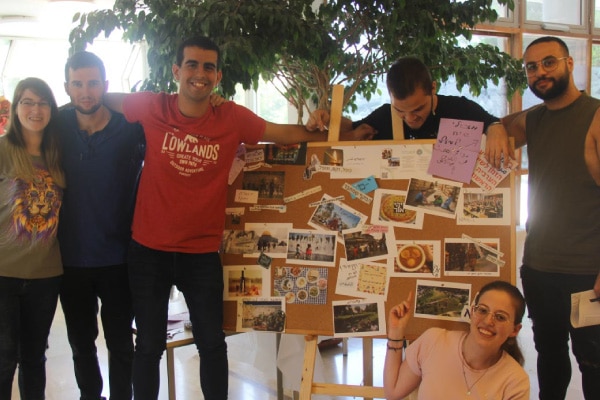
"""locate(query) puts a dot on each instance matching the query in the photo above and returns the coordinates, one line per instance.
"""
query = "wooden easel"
(308, 387)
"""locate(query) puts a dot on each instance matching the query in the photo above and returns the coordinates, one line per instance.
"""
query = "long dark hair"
(50, 148)
(511, 346)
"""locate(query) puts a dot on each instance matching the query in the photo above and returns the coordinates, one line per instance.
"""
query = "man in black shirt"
(414, 100)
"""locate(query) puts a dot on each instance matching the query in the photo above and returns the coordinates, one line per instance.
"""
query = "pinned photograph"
(256, 239)
(472, 257)
(301, 285)
(435, 196)
(290, 154)
(359, 317)
(441, 300)
(268, 185)
(311, 247)
(262, 314)
(369, 242)
(418, 258)
(333, 215)
(481, 207)
(245, 281)
(389, 209)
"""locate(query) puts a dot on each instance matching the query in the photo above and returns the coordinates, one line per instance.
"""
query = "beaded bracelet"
(394, 348)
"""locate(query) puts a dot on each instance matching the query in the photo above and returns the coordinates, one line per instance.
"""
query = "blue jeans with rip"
(200, 278)
(548, 298)
(27, 308)
(80, 291)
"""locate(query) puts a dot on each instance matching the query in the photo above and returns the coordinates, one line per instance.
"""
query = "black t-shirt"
(452, 107)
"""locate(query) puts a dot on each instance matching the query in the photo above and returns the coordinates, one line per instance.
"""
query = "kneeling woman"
(483, 363)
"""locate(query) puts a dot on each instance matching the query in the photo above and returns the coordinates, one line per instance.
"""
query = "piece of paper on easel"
(456, 148)
(584, 311)
(485, 175)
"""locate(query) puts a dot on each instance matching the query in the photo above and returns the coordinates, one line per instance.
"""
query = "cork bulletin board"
(379, 227)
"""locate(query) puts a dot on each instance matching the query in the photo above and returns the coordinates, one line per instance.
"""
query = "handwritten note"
(456, 149)
(365, 280)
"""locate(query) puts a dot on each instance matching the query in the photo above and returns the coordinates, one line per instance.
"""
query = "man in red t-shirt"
(179, 214)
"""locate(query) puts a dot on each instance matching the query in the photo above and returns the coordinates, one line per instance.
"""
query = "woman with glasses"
(484, 362)
(31, 185)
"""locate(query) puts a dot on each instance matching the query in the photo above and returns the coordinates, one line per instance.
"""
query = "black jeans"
(200, 278)
(27, 308)
(548, 297)
(81, 288)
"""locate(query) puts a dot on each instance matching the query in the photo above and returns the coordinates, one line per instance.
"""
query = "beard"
(90, 111)
(559, 87)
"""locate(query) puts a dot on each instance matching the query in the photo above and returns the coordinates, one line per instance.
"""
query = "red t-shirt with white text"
(183, 187)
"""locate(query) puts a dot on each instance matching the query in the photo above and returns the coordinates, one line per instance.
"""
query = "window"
(555, 11)
(45, 59)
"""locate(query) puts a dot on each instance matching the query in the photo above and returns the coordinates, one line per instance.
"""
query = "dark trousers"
(27, 308)
(548, 297)
(80, 290)
(200, 278)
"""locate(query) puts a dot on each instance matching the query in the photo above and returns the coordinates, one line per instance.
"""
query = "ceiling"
(43, 18)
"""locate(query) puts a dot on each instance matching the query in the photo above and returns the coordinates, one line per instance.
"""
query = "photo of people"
(480, 207)
(465, 257)
(264, 314)
(335, 216)
(369, 242)
(434, 196)
(441, 300)
(311, 247)
(269, 185)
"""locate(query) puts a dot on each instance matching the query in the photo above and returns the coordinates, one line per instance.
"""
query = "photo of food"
(389, 209)
(301, 285)
(417, 258)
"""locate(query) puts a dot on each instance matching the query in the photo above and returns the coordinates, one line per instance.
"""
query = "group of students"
(127, 237)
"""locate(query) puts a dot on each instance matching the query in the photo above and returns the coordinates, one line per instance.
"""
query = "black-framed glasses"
(483, 311)
(549, 63)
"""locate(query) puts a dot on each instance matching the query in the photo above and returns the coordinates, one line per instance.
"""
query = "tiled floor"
(252, 361)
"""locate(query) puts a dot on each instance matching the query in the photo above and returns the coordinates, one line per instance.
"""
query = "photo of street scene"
(464, 257)
(369, 242)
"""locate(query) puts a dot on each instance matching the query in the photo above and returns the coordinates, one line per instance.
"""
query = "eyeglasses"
(482, 312)
(31, 103)
(549, 63)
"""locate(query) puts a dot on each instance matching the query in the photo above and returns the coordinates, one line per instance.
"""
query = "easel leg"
(368, 362)
(308, 370)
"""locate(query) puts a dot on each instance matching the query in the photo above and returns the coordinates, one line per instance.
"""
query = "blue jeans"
(27, 309)
(548, 297)
(200, 278)
(80, 290)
